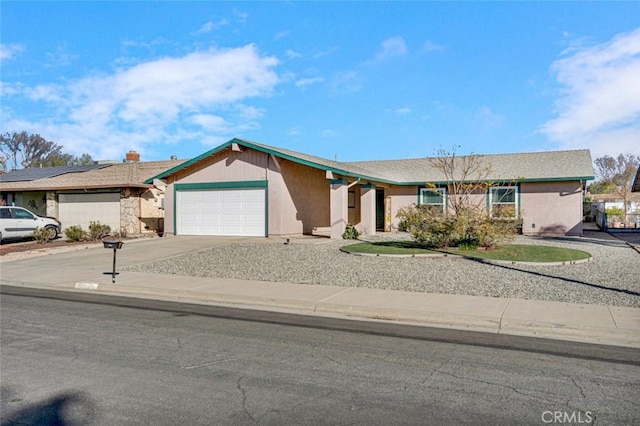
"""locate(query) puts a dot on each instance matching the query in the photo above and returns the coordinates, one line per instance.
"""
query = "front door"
(379, 209)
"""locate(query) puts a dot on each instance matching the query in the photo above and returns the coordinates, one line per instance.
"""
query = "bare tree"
(466, 220)
(465, 176)
(619, 173)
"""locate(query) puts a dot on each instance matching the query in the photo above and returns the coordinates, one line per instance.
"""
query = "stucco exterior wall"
(551, 208)
(401, 196)
(297, 198)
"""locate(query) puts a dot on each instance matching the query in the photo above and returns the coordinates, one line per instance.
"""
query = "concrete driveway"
(58, 265)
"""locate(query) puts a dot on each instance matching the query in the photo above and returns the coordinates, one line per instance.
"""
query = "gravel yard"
(612, 278)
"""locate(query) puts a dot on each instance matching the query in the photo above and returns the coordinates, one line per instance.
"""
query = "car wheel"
(53, 232)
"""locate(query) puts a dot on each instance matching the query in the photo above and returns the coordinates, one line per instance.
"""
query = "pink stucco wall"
(298, 196)
(551, 208)
(401, 196)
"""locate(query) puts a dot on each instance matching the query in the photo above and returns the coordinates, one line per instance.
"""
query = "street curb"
(505, 324)
(517, 342)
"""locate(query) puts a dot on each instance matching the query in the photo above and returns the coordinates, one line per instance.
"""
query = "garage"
(81, 209)
(221, 211)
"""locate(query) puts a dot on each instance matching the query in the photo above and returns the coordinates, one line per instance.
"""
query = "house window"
(503, 202)
(434, 197)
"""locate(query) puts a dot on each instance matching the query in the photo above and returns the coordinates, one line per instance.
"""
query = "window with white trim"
(503, 202)
(434, 197)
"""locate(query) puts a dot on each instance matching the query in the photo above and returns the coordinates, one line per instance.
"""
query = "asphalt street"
(92, 363)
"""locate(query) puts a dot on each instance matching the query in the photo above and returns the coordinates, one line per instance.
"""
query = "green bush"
(614, 211)
(98, 231)
(42, 235)
(350, 233)
(75, 233)
(469, 228)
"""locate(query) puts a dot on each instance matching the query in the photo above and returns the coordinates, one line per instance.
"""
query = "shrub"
(615, 212)
(42, 235)
(97, 231)
(75, 233)
(121, 234)
(350, 233)
(468, 229)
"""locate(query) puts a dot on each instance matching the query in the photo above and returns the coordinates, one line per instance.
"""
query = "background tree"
(601, 187)
(22, 150)
(618, 173)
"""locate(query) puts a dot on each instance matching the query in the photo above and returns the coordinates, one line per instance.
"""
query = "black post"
(113, 276)
(115, 245)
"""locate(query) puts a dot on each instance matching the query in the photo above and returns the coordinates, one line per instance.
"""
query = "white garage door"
(80, 209)
(229, 212)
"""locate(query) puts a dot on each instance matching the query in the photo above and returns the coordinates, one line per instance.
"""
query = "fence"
(615, 223)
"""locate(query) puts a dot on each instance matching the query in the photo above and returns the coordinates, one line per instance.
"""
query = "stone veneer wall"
(129, 211)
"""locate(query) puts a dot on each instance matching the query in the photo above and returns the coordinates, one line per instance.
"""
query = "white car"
(17, 222)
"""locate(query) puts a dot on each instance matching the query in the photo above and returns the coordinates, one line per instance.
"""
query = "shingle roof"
(550, 165)
(46, 172)
(298, 157)
(636, 182)
(532, 166)
(122, 175)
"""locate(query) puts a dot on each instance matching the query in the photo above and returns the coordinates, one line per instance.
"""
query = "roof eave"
(75, 187)
(522, 180)
(285, 156)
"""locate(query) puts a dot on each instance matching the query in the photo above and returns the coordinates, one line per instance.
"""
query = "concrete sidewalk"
(84, 271)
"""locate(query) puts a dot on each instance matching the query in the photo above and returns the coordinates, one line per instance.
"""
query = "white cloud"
(211, 26)
(327, 52)
(61, 57)
(346, 82)
(308, 81)
(292, 54)
(194, 98)
(209, 122)
(403, 110)
(392, 47)
(9, 51)
(599, 104)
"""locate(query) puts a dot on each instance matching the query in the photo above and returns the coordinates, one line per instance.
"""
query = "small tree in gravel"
(465, 223)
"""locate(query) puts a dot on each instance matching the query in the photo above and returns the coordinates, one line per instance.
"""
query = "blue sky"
(352, 80)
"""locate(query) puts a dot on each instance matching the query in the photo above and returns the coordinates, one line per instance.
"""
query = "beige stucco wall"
(151, 212)
(401, 196)
(355, 212)
(298, 199)
(551, 208)
(298, 196)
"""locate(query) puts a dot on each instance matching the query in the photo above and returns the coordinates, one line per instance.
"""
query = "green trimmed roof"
(533, 166)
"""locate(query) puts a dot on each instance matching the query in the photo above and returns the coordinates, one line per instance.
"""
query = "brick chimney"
(132, 157)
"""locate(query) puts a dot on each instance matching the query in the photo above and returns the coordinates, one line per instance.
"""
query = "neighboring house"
(113, 194)
(636, 182)
(247, 188)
